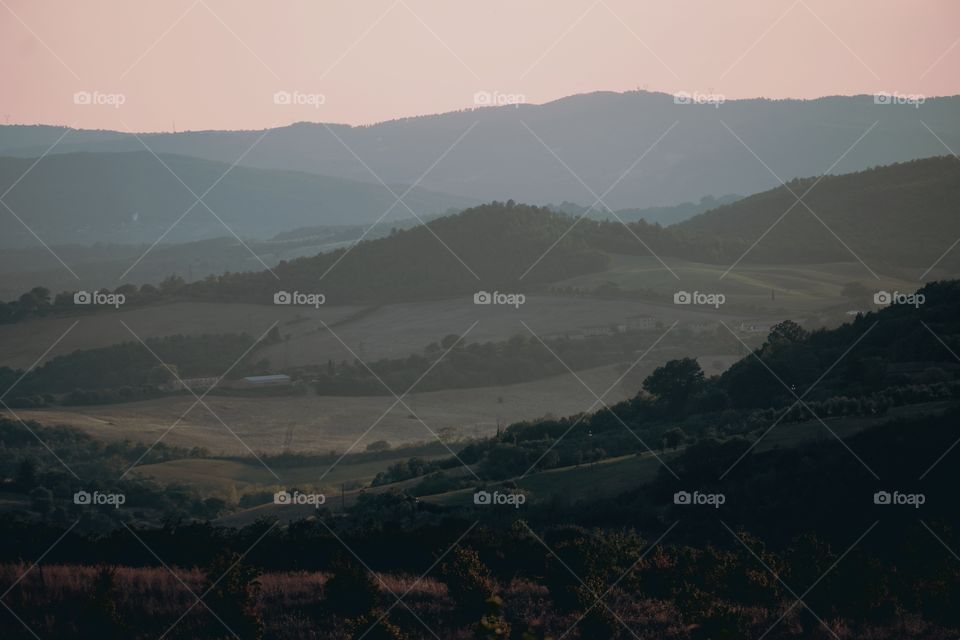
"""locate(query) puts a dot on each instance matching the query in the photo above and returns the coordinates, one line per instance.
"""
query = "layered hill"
(689, 150)
(83, 198)
(897, 219)
(901, 216)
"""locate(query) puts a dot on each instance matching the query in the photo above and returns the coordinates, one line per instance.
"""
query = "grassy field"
(212, 476)
(397, 330)
(796, 288)
(606, 478)
(22, 343)
(323, 423)
(389, 331)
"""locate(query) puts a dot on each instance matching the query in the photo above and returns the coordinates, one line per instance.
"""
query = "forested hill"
(901, 215)
(487, 247)
(898, 219)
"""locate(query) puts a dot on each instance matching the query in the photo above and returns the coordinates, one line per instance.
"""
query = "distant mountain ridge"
(131, 198)
(688, 150)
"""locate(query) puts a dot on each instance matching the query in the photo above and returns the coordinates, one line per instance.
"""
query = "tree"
(26, 474)
(233, 588)
(100, 617)
(351, 592)
(786, 333)
(471, 586)
(41, 500)
(378, 445)
(674, 382)
(674, 437)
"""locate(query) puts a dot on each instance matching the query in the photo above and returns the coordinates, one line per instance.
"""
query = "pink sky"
(216, 64)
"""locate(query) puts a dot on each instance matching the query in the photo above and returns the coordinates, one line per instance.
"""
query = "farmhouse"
(275, 380)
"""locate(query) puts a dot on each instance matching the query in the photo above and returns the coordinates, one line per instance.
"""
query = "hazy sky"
(206, 64)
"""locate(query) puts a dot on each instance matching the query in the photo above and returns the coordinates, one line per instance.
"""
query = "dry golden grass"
(324, 423)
